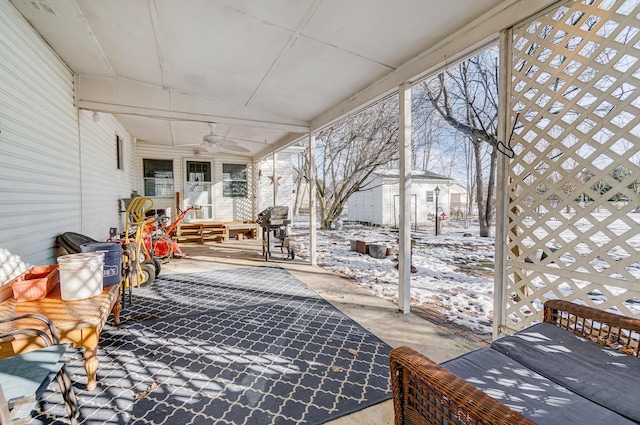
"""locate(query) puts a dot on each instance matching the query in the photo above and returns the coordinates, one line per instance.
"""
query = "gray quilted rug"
(242, 346)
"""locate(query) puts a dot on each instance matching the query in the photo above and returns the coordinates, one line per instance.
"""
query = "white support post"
(255, 174)
(311, 174)
(275, 178)
(404, 256)
(502, 197)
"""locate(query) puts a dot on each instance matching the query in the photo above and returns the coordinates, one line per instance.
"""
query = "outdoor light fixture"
(436, 191)
(96, 117)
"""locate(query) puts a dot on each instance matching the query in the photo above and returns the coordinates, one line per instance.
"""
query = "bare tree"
(349, 152)
(466, 98)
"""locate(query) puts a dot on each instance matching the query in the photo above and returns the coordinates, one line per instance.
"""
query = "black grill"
(275, 224)
(273, 216)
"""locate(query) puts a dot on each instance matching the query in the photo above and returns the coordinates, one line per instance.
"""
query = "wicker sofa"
(579, 366)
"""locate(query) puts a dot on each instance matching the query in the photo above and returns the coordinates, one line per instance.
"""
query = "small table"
(77, 322)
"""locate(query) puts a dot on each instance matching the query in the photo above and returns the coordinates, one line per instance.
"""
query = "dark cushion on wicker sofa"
(598, 373)
(528, 392)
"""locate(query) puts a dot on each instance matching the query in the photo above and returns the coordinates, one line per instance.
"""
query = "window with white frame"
(430, 196)
(234, 180)
(158, 177)
(198, 176)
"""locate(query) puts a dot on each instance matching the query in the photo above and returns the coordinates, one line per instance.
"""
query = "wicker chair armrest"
(28, 331)
(426, 393)
(40, 317)
(619, 332)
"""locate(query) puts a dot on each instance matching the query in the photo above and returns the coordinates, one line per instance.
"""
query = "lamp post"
(436, 191)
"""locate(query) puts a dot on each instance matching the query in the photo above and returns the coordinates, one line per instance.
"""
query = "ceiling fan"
(214, 143)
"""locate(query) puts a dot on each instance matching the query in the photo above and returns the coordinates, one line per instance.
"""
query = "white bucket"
(81, 275)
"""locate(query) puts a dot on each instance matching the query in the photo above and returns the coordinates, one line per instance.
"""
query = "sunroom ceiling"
(266, 71)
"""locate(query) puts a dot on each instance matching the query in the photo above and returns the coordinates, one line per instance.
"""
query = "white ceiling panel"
(125, 31)
(62, 25)
(312, 76)
(265, 70)
(147, 129)
(391, 35)
(217, 52)
(286, 14)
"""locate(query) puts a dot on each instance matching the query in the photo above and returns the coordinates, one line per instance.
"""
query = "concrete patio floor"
(437, 341)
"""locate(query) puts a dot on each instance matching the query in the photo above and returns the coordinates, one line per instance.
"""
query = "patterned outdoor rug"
(242, 346)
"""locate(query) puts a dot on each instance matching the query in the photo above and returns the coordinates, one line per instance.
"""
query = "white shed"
(377, 203)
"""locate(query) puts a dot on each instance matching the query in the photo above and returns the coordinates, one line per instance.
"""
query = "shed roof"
(415, 174)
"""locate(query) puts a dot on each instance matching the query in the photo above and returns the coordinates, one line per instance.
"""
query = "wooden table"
(77, 322)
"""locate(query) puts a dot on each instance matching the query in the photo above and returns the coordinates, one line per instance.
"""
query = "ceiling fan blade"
(227, 142)
(235, 148)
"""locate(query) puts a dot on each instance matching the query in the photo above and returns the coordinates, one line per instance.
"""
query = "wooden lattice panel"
(573, 221)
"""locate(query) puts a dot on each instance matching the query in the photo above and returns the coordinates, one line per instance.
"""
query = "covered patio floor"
(376, 315)
(222, 336)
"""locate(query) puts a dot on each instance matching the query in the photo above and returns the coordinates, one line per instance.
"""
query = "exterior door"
(198, 189)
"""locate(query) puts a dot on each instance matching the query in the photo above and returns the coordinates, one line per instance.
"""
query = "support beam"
(127, 97)
(404, 257)
(280, 144)
(189, 116)
(502, 197)
(311, 175)
(275, 180)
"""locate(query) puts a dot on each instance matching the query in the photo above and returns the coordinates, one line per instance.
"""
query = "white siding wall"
(353, 206)
(57, 166)
(366, 205)
(232, 209)
(39, 156)
(148, 151)
(102, 183)
(378, 205)
(285, 182)
(224, 209)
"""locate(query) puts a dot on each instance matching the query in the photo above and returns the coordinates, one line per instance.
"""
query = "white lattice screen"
(573, 230)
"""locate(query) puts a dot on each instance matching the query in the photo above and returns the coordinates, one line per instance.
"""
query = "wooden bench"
(240, 227)
(76, 322)
(202, 232)
(578, 366)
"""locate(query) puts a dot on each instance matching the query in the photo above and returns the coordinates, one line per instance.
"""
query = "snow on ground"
(454, 273)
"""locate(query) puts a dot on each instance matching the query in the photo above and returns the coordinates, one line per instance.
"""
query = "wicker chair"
(24, 377)
(426, 393)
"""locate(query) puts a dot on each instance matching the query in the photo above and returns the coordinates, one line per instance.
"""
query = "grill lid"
(273, 213)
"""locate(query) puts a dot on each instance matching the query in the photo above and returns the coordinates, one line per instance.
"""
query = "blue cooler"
(112, 259)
